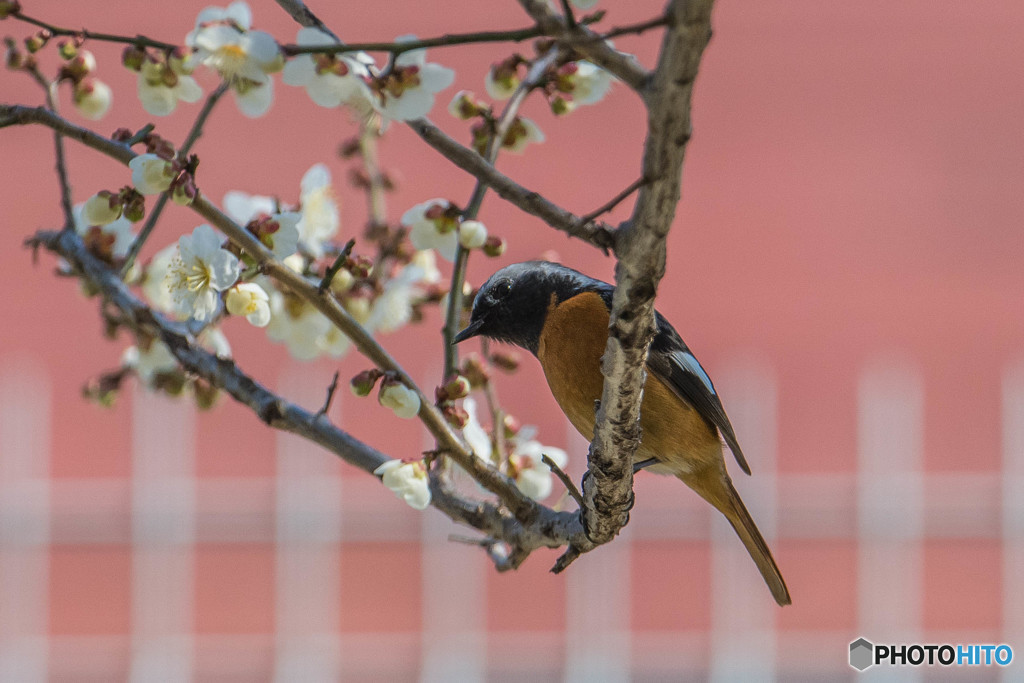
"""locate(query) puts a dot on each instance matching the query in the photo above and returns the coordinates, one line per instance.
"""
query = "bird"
(561, 316)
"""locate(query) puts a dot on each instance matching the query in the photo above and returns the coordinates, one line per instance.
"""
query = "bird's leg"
(637, 466)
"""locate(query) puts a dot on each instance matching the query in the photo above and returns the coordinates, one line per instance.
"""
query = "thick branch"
(640, 249)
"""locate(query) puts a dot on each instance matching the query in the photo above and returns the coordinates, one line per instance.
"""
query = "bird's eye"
(502, 290)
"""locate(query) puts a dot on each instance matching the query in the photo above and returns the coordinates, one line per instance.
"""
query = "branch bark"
(640, 249)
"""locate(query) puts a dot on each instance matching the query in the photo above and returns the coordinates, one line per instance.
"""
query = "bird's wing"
(672, 362)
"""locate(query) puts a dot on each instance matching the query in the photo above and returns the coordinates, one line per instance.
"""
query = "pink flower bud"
(494, 246)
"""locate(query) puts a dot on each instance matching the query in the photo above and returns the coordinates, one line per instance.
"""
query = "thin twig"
(614, 201)
(330, 396)
(501, 128)
(497, 414)
(566, 481)
(158, 207)
(50, 92)
(598, 234)
(397, 48)
(570, 16)
(140, 40)
(333, 269)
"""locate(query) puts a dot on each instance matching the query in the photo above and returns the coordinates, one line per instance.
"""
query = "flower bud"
(342, 281)
(457, 387)
(363, 383)
(183, 189)
(561, 104)
(9, 7)
(465, 106)
(472, 234)
(36, 41)
(67, 49)
(455, 415)
(135, 207)
(93, 98)
(402, 400)
(102, 208)
(473, 370)
(179, 61)
(494, 246)
(506, 360)
(361, 266)
(133, 57)
(511, 426)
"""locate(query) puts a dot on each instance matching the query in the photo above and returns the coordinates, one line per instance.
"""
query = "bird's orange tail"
(716, 488)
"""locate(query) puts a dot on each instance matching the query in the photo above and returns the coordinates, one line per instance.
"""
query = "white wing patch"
(688, 361)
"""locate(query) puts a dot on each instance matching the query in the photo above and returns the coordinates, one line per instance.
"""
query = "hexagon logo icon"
(861, 654)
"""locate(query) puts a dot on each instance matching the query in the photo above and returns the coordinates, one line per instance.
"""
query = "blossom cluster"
(203, 279)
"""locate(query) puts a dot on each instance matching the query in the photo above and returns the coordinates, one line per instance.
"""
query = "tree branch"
(140, 40)
(546, 528)
(589, 44)
(641, 252)
(600, 235)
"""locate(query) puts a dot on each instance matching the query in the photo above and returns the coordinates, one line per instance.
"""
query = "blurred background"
(846, 262)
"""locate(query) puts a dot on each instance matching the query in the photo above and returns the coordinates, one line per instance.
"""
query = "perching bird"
(561, 316)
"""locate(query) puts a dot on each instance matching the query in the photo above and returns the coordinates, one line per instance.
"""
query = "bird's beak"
(472, 330)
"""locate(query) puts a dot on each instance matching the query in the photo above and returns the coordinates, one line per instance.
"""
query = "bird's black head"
(513, 304)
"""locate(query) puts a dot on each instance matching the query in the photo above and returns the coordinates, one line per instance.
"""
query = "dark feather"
(672, 362)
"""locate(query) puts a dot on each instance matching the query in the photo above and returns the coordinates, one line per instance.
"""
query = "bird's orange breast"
(571, 344)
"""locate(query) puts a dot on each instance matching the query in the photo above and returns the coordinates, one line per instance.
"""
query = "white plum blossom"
(408, 91)
(472, 234)
(250, 300)
(319, 210)
(200, 271)
(522, 133)
(99, 209)
(92, 97)
(402, 400)
(430, 227)
(149, 362)
(155, 285)
(214, 341)
(329, 80)
(279, 232)
(474, 433)
(162, 85)
(408, 480)
(118, 233)
(223, 42)
(305, 331)
(590, 83)
(532, 475)
(500, 88)
(151, 174)
(243, 207)
(392, 309)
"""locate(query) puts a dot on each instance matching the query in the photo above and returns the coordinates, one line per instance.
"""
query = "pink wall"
(851, 212)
